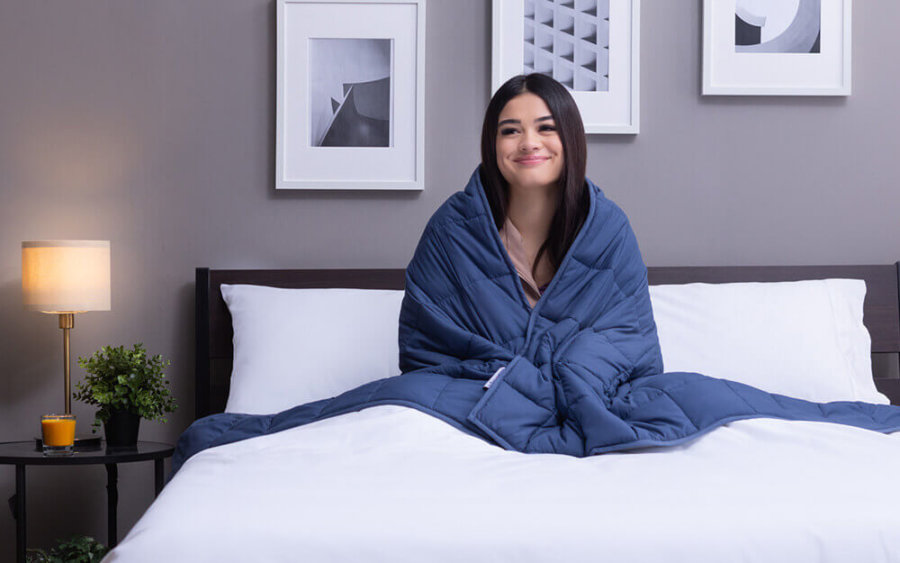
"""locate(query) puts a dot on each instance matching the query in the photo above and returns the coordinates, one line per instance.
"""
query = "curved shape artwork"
(757, 31)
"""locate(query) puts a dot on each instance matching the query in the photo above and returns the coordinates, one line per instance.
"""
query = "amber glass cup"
(58, 434)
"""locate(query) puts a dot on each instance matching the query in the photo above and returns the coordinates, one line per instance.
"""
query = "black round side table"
(23, 454)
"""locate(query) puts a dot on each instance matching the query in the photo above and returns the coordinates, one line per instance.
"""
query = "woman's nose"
(529, 142)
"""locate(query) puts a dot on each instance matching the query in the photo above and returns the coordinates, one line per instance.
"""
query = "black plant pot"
(122, 429)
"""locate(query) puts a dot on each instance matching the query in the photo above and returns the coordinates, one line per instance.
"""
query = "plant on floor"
(77, 549)
(125, 380)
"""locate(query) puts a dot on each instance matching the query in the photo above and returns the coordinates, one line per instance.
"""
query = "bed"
(390, 483)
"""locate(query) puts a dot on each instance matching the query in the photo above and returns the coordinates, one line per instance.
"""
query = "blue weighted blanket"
(580, 374)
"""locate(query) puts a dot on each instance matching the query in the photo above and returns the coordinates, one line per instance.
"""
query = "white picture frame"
(350, 95)
(775, 66)
(610, 107)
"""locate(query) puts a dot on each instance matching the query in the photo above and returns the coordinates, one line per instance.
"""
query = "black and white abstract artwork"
(350, 92)
(569, 40)
(777, 26)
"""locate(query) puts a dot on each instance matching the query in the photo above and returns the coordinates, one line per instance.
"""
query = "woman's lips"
(532, 160)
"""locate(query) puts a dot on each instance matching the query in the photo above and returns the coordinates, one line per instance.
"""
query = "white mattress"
(393, 484)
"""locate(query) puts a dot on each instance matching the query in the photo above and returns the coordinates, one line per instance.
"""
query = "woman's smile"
(532, 160)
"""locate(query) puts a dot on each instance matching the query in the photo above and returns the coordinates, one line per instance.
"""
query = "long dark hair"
(573, 198)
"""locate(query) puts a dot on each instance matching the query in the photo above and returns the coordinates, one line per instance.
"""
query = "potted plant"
(127, 385)
(81, 549)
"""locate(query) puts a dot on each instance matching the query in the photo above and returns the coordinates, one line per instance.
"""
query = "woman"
(533, 166)
(528, 289)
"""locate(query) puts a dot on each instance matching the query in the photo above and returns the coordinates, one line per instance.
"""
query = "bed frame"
(214, 349)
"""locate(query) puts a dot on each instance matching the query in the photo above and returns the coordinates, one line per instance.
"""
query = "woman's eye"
(507, 131)
(548, 128)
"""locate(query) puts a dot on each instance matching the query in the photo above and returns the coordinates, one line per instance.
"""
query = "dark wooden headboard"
(214, 333)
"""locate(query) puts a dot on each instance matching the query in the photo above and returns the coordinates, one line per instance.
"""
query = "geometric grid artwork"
(569, 41)
(350, 92)
(777, 26)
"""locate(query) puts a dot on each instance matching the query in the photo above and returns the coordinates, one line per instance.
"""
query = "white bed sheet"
(393, 484)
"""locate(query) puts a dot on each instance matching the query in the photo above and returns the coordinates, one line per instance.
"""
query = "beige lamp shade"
(66, 276)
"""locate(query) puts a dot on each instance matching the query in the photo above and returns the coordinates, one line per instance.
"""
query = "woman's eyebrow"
(516, 121)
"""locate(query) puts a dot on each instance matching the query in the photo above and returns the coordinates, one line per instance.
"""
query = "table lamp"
(64, 277)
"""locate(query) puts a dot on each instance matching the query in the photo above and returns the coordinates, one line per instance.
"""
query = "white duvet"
(393, 484)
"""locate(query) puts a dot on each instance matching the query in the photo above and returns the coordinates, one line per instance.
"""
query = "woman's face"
(529, 150)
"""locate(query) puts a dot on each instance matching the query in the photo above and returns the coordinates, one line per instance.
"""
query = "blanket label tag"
(489, 382)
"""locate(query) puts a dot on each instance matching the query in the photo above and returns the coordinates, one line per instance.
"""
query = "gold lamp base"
(67, 323)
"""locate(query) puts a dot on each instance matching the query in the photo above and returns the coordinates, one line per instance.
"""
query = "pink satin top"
(515, 246)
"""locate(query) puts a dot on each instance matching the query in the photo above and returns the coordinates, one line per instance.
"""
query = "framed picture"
(590, 46)
(776, 47)
(350, 108)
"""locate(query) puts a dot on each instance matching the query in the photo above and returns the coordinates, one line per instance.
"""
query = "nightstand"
(23, 454)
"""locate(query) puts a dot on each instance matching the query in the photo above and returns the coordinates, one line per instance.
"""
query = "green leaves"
(122, 379)
(77, 549)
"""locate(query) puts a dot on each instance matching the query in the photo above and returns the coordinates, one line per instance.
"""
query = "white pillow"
(804, 339)
(293, 346)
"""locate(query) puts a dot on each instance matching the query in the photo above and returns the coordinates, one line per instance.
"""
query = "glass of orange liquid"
(58, 434)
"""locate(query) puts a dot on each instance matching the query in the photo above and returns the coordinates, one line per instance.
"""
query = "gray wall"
(151, 124)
